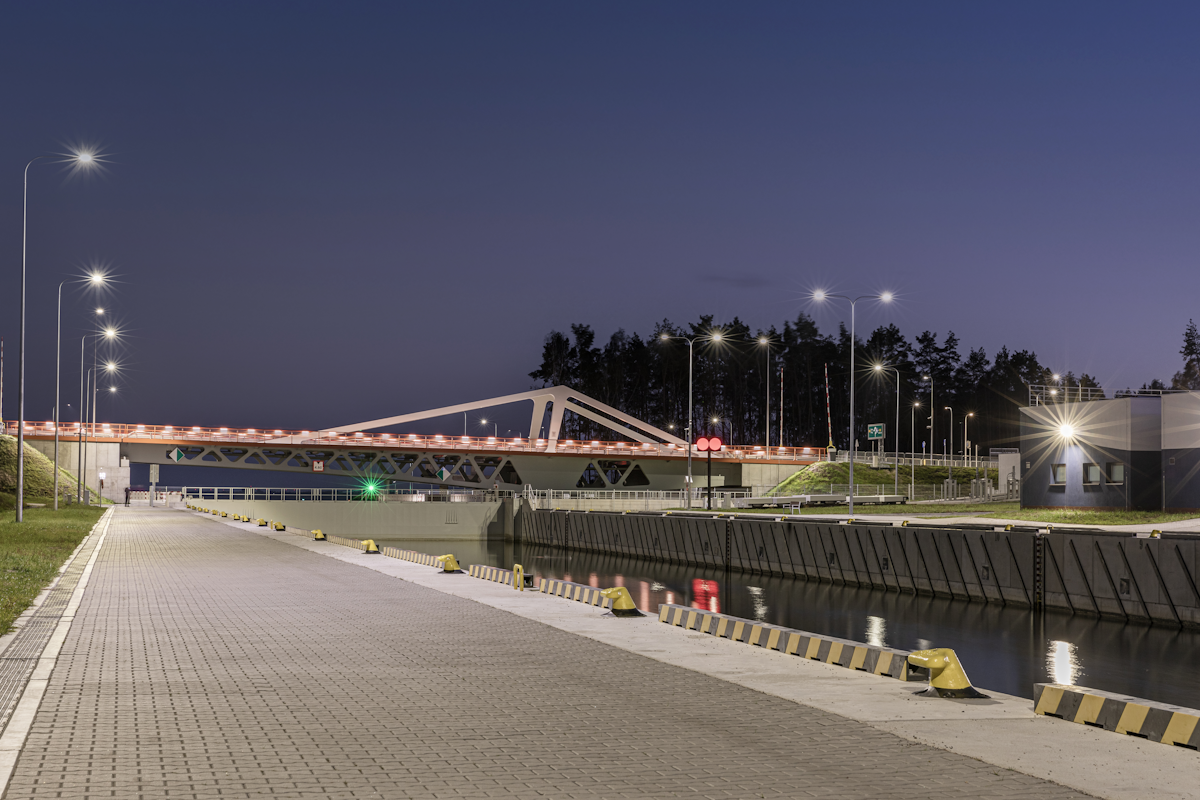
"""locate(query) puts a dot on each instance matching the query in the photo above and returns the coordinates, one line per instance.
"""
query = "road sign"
(443, 473)
(175, 455)
(318, 465)
(875, 431)
(154, 473)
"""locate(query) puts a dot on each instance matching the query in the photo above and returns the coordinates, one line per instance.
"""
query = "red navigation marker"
(709, 445)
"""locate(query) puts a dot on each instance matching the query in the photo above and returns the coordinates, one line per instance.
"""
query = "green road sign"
(875, 430)
(175, 455)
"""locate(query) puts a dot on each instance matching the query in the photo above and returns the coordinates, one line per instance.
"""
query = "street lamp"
(966, 438)
(109, 333)
(95, 278)
(80, 159)
(950, 474)
(821, 296)
(912, 461)
(712, 337)
(932, 406)
(495, 428)
(896, 482)
(766, 344)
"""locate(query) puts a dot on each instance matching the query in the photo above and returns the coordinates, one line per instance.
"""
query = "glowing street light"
(1066, 431)
(896, 476)
(80, 159)
(715, 336)
(95, 278)
(886, 297)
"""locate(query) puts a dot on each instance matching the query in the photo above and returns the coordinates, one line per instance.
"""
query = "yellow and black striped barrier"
(496, 574)
(883, 661)
(424, 559)
(578, 592)
(1132, 716)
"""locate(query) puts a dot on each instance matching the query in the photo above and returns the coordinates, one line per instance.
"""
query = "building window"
(1058, 474)
(1091, 474)
(1116, 472)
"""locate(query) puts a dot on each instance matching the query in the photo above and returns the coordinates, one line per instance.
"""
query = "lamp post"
(766, 344)
(108, 333)
(81, 159)
(896, 476)
(97, 278)
(932, 406)
(966, 438)
(820, 296)
(912, 465)
(950, 461)
(495, 428)
(712, 337)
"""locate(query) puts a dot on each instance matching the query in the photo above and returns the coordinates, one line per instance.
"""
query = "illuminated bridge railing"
(323, 495)
(267, 437)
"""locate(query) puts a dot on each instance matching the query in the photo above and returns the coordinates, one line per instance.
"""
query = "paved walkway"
(209, 662)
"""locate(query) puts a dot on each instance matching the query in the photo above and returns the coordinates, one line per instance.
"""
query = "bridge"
(643, 457)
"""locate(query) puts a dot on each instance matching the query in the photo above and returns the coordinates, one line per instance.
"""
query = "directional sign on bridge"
(175, 455)
(443, 473)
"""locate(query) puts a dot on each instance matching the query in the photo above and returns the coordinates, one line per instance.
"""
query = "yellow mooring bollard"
(369, 547)
(946, 675)
(278, 526)
(518, 577)
(622, 603)
(448, 563)
(262, 523)
(318, 536)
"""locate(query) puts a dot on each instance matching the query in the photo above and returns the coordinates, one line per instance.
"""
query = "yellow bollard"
(622, 603)
(262, 523)
(518, 577)
(223, 514)
(448, 563)
(946, 675)
(278, 526)
(318, 536)
(369, 547)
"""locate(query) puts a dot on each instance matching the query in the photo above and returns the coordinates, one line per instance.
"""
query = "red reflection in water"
(705, 595)
(593, 581)
(644, 595)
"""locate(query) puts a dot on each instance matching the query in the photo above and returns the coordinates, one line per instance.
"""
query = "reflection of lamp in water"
(1062, 663)
(876, 631)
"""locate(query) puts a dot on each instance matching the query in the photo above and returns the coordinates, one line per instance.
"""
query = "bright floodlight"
(917, 404)
(886, 297)
(716, 337)
(1066, 431)
(762, 340)
(110, 332)
(819, 294)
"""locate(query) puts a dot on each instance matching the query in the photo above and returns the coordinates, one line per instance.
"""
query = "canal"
(1003, 649)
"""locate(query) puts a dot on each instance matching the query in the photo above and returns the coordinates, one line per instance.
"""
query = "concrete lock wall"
(1091, 573)
(367, 520)
(1181, 451)
(1126, 431)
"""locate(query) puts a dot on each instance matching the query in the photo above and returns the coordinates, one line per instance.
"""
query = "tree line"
(648, 378)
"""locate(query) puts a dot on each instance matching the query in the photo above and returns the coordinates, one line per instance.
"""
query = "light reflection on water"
(1003, 649)
(1062, 662)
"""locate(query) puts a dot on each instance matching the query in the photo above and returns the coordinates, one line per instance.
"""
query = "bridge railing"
(256, 437)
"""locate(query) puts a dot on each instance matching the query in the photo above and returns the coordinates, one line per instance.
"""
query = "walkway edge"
(12, 742)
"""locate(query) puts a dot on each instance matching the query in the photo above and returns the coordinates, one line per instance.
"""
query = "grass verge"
(1013, 510)
(31, 553)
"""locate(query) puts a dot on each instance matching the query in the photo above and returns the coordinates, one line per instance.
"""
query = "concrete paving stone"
(211, 662)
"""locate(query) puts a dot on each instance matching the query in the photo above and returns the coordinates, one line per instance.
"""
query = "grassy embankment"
(32, 552)
(815, 478)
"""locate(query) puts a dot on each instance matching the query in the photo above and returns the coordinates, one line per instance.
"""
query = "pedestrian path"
(207, 661)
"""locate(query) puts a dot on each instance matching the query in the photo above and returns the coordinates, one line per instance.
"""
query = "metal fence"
(324, 495)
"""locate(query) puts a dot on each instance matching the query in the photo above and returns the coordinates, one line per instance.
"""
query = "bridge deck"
(207, 661)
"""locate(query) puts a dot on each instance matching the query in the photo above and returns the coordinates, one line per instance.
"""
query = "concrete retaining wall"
(1086, 572)
(466, 521)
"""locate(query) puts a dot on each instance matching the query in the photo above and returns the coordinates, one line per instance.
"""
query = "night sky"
(326, 213)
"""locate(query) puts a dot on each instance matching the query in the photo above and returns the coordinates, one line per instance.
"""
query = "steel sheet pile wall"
(1087, 572)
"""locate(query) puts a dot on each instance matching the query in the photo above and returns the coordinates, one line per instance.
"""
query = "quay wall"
(367, 520)
(1090, 572)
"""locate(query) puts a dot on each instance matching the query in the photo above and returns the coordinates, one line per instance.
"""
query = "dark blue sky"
(330, 212)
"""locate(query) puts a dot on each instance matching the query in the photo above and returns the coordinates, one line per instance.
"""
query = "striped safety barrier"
(1133, 716)
(496, 574)
(883, 661)
(424, 559)
(575, 591)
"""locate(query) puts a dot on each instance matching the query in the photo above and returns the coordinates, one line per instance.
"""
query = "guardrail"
(334, 495)
(279, 437)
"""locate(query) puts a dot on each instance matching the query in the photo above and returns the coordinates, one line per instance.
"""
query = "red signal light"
(709, 445)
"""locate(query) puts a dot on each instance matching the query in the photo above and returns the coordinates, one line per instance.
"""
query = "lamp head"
(110, 333)
(917, 404)
(716, 337)
(1066, 431)
(762, 340)
(1055, 376)
(948, 408)
(112, 390)
(99, 312)
(97, 278)
(970, 413)
(879, 367)
(819, 295)
(886, 297)
(664, 337)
